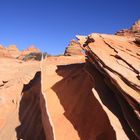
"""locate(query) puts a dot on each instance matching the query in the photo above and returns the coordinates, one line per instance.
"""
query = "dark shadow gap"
(30, 112)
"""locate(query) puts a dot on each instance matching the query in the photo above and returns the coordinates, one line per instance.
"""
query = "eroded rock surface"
(15, 107)
(73, 49)
(12, 51)
(118, 61)
(134, 30)
(94, 96)
(75, 113)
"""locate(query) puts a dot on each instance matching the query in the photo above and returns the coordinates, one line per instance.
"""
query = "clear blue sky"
(51, 24)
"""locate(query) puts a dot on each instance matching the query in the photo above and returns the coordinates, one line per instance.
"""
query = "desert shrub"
(38, 56)
(34, 56)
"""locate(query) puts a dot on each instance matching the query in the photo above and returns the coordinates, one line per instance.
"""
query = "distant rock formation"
(2, 50)
(73, 49)
(12, 51)
(134, 30)
(31, 49)
(136, 26)
(1, 47)
(12, 48)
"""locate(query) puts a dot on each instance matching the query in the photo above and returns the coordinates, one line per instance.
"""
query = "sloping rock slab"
(118, 60)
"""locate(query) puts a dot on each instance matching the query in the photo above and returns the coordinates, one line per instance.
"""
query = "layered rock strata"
(134, 30)
(118, 61)
(73, 49)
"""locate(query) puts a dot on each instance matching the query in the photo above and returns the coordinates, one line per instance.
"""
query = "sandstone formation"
(134, 30)
(30, 50)
(1, 47)
(73, 49)
(136, 26)
(12, 51)
(14, 76)
(118, 61)
(95, 96)
(4, 52)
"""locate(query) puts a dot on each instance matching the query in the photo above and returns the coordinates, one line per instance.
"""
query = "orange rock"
(134, 30)
(73, 49)
(30, 50)
(117, 59)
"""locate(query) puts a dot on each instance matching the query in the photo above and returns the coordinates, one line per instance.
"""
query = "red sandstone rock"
(14, 76)
(30, 50)
(134, 30)
(73, 49)
(136, 26)
(117, 59)
(1, 47)
(13, 51)
(70, 98)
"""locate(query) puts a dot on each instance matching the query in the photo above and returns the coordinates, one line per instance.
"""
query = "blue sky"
(51, 24)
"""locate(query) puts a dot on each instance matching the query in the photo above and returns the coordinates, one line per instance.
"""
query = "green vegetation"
(34, 56)
(38, 56)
